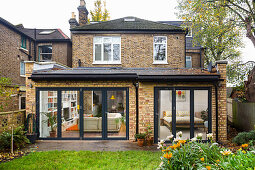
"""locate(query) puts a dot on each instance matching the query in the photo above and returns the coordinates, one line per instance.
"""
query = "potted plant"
(30, 128)
(140, 138)
(149, 137)
(204, 116)
(52, 120)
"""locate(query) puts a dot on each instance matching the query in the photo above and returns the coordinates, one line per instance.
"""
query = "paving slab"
(92, 145)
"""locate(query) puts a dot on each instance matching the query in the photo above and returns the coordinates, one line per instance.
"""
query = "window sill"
(23, 76)
(160, 63)
(23, 49)
(101, 63)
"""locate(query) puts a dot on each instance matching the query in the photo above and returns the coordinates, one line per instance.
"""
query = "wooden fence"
(243, 115)
(17, 118)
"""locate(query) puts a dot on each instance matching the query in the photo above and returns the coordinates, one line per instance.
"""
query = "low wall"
(15, 118)
(243, 115)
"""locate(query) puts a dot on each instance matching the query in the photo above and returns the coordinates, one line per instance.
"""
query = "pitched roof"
(55, 35)
(129, 24)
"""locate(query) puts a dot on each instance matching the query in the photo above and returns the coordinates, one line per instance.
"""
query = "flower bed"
(194, 154)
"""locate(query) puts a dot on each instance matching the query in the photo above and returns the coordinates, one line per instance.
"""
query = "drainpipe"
(35, 44)
(216, 98)
(136, 84)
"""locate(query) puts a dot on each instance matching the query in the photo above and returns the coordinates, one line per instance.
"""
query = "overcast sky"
(56, 13)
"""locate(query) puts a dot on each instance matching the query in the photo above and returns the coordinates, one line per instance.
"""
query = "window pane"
(48, 114)
(160, 40)
(107, 52)
(165, 113)
(116, 114)
(46, 49)
(22, 68)
(70, 114)
(108, 40)
(159, 52)
(98, 52)
(116, 40)
(183, 113)
(97, 39)
(201, 112)
(46, 57)
(116, 52)
(188, 64)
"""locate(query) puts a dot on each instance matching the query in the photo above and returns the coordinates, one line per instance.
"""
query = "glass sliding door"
(116, 114)
(183, 113)
(201, 113)
(48, 114)
(92, 114)
(70, 114)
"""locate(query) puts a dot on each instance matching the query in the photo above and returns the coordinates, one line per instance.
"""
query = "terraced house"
(128, 73)
(19, 44)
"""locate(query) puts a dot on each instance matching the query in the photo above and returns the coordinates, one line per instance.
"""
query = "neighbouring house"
(19, 44)
(127, 73)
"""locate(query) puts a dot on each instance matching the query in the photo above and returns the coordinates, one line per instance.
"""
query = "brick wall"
(11, 56)
(195, 54)
(136, 50)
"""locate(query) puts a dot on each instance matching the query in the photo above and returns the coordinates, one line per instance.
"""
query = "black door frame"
(81, 103)
(156, 114)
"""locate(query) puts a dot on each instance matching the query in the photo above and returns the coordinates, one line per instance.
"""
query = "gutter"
(136, 84)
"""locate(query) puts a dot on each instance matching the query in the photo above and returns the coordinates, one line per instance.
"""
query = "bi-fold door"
(82, 113)
(186, 109)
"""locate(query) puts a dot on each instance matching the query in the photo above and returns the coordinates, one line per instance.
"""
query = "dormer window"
(107, 50)
(160, 50)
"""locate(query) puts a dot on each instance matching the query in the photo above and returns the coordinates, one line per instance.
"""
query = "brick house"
(19, 44)
(127, 74)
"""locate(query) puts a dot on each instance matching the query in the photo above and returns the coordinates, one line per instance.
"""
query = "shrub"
(19, 139)
(244, 137)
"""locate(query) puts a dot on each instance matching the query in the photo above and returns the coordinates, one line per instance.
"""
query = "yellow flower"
(202, 159)
(168, 155)
(182, 141)
(208, 167)
(218, 161)
(245, 145)
(226, 153)
(244, 151)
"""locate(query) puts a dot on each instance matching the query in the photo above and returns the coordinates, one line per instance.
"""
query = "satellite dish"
(210, 67)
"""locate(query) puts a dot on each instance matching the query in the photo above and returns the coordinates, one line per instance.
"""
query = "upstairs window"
(23, 42)
(188, 62)
(22, 68)
(45, 53)
(107, 50)
(160, 50)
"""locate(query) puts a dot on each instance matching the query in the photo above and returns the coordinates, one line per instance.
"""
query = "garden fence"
(243, 115)
(15, 118)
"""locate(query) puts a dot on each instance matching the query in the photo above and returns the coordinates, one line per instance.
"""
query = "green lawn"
(86, 160)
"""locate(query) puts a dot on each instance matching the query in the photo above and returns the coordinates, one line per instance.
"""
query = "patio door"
(82, 113)
(182, 109)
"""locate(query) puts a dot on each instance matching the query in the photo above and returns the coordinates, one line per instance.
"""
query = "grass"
(86, 160)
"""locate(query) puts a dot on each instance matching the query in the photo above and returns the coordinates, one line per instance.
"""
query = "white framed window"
(160, 50)
(45, 53)
(107, 50)
(22, 68)
(189, 34)
(188, 62)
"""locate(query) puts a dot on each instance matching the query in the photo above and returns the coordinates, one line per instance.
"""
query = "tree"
(245, 12)
(6, 90)
(213, 28)
(100, 13)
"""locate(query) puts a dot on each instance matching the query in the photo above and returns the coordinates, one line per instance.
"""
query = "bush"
(19, 139)
(244, 137)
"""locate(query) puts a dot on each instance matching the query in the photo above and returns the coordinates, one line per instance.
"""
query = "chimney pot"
(73, 15)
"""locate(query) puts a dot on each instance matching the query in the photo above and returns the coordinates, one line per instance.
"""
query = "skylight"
(129, 19)
(47, 32)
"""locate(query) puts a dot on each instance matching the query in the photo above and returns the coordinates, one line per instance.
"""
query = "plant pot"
(32, 137)
(140, 142)
(150, 141)
(52, 134)
(206, 124)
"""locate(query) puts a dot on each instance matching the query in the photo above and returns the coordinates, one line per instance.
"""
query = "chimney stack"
(83, 13)
(72, 21)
